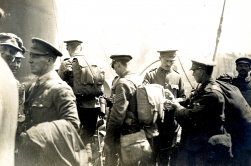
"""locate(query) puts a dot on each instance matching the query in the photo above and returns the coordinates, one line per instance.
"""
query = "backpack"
(150, 103)
(237, 113)
(87, 78)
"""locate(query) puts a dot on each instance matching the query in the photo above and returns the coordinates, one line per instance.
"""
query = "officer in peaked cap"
(168, 54)
(41, 47)
(202, 63)
(49, 102)
(115, 58)
(171, 80)
(121, 118)
(205, 109)
(88, 109)
(73, 47)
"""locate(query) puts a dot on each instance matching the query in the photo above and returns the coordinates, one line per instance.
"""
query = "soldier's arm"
(65, 103)
(181, 93)
(117, 114)
(209, 108)
(147, 79)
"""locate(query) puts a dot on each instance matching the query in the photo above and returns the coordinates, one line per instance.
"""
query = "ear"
(50, 59)
(202, 72)
(118, 63)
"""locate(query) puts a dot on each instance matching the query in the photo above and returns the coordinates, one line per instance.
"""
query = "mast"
(219, 32)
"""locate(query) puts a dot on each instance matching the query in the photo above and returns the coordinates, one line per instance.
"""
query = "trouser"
(88, 118)
(242, 156)
(165, 147)
(217, 155)
(27, 155)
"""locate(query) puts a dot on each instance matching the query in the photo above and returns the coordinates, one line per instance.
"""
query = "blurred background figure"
(243, 81)
(8, 114)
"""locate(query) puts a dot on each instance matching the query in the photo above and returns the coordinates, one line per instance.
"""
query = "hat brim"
(19, 55)
(35, 51)
(8, 44)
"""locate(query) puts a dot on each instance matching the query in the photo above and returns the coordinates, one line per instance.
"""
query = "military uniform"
(243, 82)
(169, 79)
(49, 100)
(202, 120)
(88, 110)
(242, 152)
(123, 116)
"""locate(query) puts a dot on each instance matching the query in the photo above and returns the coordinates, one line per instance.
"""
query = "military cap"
(19, 55)
(243, 60)
(69, 42)
(168, 54)
(202, 63)
(12, 40)
(121, 57)
(42, 47)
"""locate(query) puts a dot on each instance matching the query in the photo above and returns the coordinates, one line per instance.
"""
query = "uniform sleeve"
(209, 108)
(64, 100)
(147, 79)
(181, 89)
(118, 113)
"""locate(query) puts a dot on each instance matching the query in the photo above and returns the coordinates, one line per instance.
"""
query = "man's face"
(15, 65)
(39, 64)
(8, 53)
(166, 63)
(114, 65)
(243, 69)
(197, 74)
(69, 49)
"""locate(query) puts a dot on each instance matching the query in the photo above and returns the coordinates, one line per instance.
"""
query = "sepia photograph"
(125, 83)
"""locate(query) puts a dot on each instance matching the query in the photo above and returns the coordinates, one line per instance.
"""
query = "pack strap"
(94, 75)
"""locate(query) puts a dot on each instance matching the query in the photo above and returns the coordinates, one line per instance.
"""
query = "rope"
(185, 73)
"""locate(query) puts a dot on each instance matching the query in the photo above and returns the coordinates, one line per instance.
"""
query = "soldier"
(51, 121)
(88, 110)
(170, 79)
(243, 67)
(243, 82)
(122, 118)
(202, 121)
(12, 50)
(65, 70)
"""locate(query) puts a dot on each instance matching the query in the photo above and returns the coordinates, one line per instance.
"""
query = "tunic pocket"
(42, 104)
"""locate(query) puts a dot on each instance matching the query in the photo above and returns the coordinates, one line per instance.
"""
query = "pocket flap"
(41, 104)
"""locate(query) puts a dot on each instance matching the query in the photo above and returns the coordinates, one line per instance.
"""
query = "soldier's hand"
(168, 105)
(24, 138)
(169, 95)
(21, 118)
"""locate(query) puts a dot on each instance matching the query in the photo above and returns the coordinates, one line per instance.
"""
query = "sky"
(142, 27)
(188, 25)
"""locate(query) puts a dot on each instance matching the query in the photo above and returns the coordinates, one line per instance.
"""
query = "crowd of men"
(56, 127)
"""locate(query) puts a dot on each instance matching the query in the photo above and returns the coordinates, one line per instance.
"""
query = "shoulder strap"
(92, 72)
